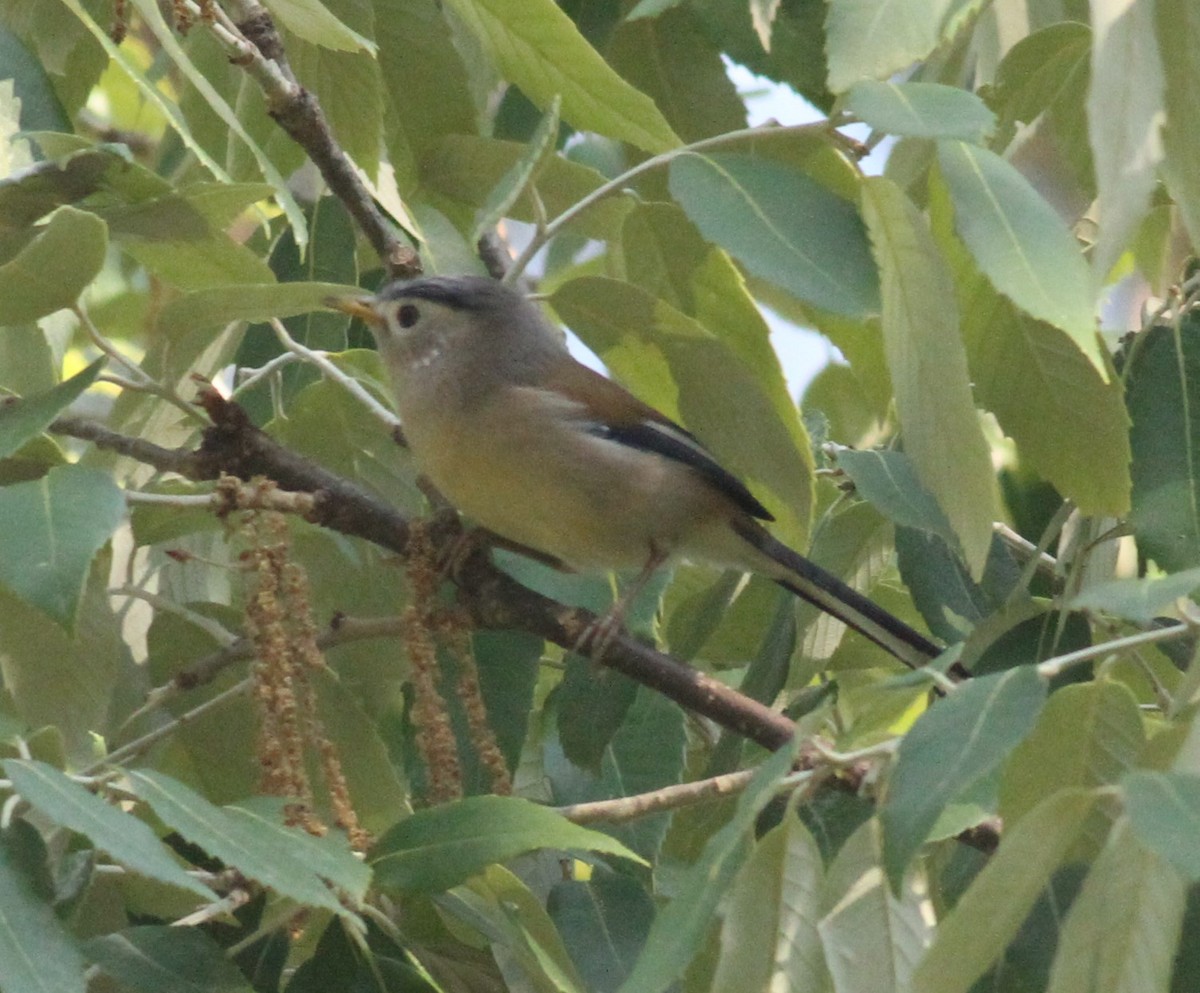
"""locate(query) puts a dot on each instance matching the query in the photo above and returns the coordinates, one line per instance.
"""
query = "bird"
(549, 454)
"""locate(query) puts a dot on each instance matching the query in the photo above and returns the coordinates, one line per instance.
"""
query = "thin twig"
(1061, 663)
(322, 362)
(254, 44)
(551, 228)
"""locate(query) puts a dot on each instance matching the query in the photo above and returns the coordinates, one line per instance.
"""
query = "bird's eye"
(407, 315)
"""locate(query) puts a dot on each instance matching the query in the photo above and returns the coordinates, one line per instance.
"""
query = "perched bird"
(549, 454)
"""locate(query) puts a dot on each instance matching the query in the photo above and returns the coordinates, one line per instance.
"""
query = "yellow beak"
(361, 307)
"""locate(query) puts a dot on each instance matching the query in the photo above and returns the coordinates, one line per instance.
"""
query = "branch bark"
(495, 600)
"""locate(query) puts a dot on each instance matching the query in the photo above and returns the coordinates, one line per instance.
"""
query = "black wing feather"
(676, 443)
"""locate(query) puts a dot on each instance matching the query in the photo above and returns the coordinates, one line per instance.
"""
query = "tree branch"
(255, 45)
(493, 599)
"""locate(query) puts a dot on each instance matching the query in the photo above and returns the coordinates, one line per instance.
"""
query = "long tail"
(828, 593)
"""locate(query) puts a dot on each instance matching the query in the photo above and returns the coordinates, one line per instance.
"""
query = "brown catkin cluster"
(279, 621)
(120, 21)
(426, 625)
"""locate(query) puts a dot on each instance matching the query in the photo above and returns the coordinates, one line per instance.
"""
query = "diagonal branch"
(494, 599)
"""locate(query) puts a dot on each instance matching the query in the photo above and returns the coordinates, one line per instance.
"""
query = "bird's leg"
(600, 635)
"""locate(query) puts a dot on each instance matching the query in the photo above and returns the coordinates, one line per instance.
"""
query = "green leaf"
(219, 305)
(440, 847)
(770, 929)
(1070, 426)
(128, 840)
(1136, 599)
(646, 753)
(522, 175)
(1122, 929)
(1087, 735)
(872, 937)
(928, 365)
(921, 110)
(52, 270)
(1162, 391)
(603, 923)
(1003, 894)
(504, 910)
(782, 226)
(349, 86)
(539, 48)
(680, 927)
(677, 65)
(955, 743)
(460, 169)
(53, 528)
(870, 40)
(1125, 114)
(149, 90)
(1020, 243)
(46, 185)
(1164, 810)
(170, 46)
(887, 481)
(65, 680)
(312, 21)
(1178, 23)
(290, 861)
(161, 959)
(37, 955)
(23, 419)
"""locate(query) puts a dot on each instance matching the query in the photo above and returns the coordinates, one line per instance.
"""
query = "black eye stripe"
(408, 315)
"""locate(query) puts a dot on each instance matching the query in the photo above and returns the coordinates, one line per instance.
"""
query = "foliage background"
(1031, 828)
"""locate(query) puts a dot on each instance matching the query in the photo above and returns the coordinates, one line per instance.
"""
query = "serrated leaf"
(872, 937)
(1070, 426)
(36, 191)
(1178, 23)
(1164, 809)
(928, 365)
(1123, 926)
(955, 743)
(782, 226)
(313, 21)
(646, 753)
(870, 40)
(504, 910)
(523, 173)
(770, 932)
(53, 528)
(681, 925)
(52, 270)
(37, 955)
(1125, 115)
(128, 840)
(538, 47)
(887, 481)
(603, 923)
(1003, 894)
(1162, 391)
(218, 305)
(166, 38)
(291, 862)
(151, 92)
(921, 110)
(21, 420)
(1020, 243)
(440, 847)
(1087, 735)
(162, 959)
(1137, 599)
